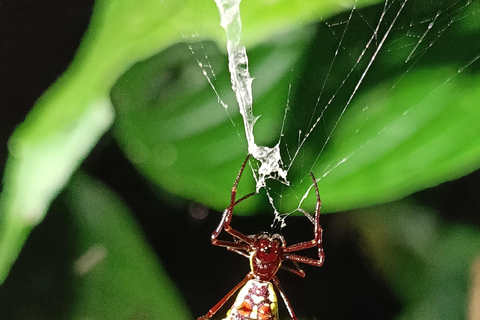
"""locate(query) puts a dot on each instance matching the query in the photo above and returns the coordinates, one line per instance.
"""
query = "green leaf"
(69, 118)
(398, 141)
(117, 275)
(426, 260)
(412, 125)
(173, 129)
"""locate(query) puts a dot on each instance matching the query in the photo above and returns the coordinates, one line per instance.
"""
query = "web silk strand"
(271, 163)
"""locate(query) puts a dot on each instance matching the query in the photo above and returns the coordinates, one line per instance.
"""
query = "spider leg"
(307, 260)
(225, 225)
(220, 303)
(284, 297)
(227, 217)
(316, 242)
(306, 245)
(240, 252)
(231, 245)
(297, 270)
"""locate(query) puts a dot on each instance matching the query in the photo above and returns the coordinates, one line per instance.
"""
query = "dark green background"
(409, 258)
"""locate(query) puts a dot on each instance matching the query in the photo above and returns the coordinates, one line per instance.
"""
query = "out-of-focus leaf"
(117, 275)
(426, 260)
(70, 117)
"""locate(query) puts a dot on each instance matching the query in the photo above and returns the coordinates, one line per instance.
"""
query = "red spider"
(257, 298)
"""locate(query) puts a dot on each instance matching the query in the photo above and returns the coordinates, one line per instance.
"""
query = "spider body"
(256, 298)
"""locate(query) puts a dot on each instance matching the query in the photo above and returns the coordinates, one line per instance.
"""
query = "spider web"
(396, 29)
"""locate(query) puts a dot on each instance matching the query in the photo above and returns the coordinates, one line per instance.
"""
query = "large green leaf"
(412, 126)
(396, 142)
(70, 117)
(117, 275)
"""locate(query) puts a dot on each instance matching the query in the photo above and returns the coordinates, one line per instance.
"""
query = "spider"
(266, 252)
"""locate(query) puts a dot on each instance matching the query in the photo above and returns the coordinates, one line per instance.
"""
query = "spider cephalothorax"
(257, 298)
(266, 256)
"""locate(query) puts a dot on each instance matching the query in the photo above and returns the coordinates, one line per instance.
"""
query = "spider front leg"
(316, 242)
(227, 218)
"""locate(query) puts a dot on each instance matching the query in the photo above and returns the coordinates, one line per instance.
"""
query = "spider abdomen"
(255, 301)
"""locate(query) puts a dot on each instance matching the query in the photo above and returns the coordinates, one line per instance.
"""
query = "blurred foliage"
(426, 261)
(69, 118)
(119, 277)
(101, 268)
(412, 126)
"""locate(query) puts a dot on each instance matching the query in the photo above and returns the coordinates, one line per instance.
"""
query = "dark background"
(38, 40)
